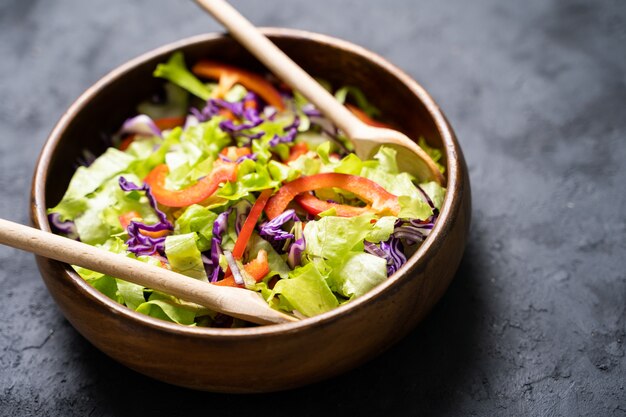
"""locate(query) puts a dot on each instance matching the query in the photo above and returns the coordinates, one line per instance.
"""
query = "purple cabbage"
(413, 230)
(219, 228)
(141, 125)
(67, 228)
(311, 111)
(272, 230)
(391, 250)
(410, 231)
(138, 243)
(395, 254)
(288, 137)
(294, 258)
(242, 158)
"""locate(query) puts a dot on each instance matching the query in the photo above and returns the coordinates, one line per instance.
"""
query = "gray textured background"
(534, 323)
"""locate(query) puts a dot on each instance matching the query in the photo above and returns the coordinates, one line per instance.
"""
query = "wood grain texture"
(242, 360)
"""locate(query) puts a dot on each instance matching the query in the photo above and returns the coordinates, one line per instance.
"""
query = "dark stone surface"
(534, 323)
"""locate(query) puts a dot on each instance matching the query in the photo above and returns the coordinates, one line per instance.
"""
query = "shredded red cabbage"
(68, 227)
(395, 254)
(138, 243)
(411, 231)
(141, 125)
(294, 258)
(288, 137)
(272, 230)
(219, 228)
(242, 158)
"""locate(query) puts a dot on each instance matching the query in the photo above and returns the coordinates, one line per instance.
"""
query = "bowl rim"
(418, 259)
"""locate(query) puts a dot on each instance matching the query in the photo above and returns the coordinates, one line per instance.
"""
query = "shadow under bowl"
(276, 357)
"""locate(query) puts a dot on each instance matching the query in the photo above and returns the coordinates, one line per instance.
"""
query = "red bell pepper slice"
(166, 123)
(204, 188)
(315, 206)
(248, 225)
(381, 201)
(234, 152)
(250, 80)
(365, 118)
(257, 268)
(297, 150)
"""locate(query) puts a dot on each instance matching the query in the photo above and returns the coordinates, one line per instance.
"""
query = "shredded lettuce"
(434, 153)
(175, 71)
(358, 273)
(332, 238)
(184, 256)
(199, 219)
(306, 291)
(317, 263)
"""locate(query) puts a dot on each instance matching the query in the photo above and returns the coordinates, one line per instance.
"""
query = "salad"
(232, 178)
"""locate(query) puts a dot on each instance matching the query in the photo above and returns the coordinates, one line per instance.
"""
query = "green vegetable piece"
(184, 256)
(359, 273)
(306, 290)
(199, 219)
(175, 71)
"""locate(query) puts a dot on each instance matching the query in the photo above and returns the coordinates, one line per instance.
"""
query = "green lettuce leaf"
(306, 291)
(184, 256)
(385, 173)
(435, 191)
(198, 147)
(100, 220)
(175, 71)
(382, 229)
(165, 308)
(86, 180)
(434, 153)
(199, 219)
(332, 238)
(359, 273)
(359, 98)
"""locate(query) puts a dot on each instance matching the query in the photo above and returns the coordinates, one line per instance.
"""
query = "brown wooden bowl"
(267, 358)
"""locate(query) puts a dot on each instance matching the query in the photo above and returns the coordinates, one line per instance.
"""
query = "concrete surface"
(534, 323)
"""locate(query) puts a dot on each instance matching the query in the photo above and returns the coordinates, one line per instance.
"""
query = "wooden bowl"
(267, 358)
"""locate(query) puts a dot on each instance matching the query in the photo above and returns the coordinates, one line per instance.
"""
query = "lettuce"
(175, 71)
(166, 308)
(359, 273)
(331, 238)
(434, 153)
(100, 220)
(199, 219)
(385, 173)
(86, 180)
(184, 256)
(436, 193)
(196, 150)
(306, 291)
(359, 98)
